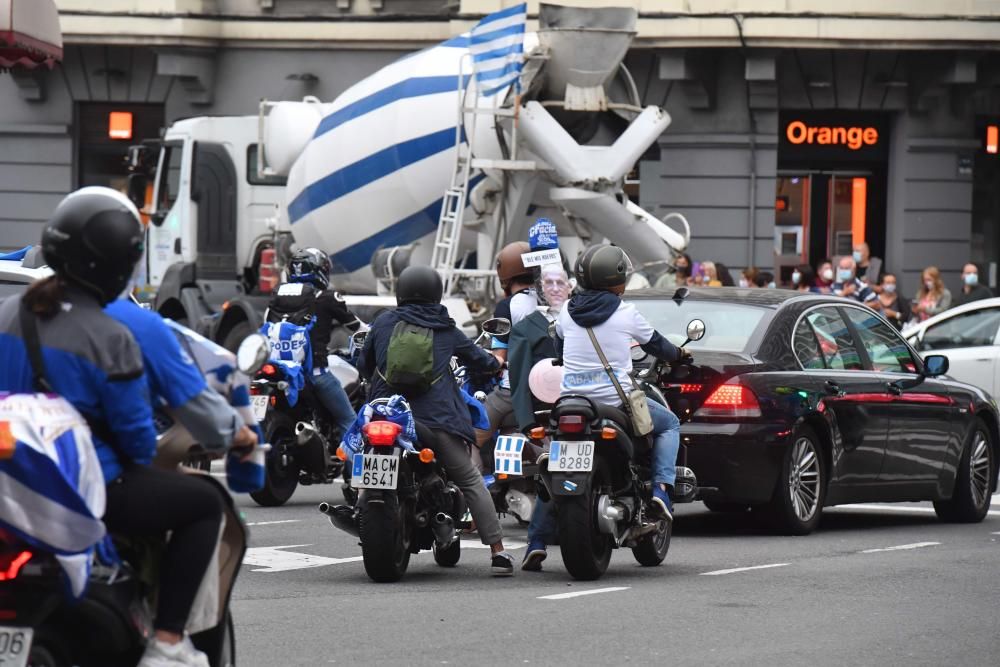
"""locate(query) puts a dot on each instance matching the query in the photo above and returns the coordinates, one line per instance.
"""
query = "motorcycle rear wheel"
(586, 552)
(385, 542)
(280, 480)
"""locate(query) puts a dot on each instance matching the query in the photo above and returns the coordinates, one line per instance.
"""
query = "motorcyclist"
(441, 408)
(520, 300)
(305, 298)
(601, 273)
(92, 242)
(176, 382)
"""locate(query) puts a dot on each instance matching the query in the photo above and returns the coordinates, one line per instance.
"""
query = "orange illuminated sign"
(120, 125)
(992, 138)
(853, 138)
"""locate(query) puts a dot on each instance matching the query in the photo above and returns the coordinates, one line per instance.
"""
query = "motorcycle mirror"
(358, 339)
(696, 330)
(252, 353)
(497, 326)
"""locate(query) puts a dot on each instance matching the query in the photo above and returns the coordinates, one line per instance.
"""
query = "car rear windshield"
(728, 326)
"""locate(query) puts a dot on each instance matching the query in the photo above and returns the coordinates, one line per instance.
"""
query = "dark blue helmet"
(310, 265)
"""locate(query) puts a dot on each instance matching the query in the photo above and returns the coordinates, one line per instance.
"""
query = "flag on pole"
(497, 46)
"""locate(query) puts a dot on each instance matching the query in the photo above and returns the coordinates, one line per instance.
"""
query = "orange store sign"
(853, 138)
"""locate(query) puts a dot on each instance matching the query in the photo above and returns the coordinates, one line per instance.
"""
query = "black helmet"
(418, 284)
(94, 240)
(602, 267)
(310, 265)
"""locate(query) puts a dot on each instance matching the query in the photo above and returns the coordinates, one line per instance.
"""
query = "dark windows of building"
(104, 131)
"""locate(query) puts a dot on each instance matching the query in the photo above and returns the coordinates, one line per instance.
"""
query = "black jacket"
(529, 344)
(328, 309)
(442, 406)
(978, 292)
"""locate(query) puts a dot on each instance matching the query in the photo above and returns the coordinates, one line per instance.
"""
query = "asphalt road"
(876, 585)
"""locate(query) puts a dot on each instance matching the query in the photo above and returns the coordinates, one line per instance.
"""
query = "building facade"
(800, 127)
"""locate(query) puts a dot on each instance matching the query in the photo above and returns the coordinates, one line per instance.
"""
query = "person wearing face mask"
(748, 277)
(869, 269)
(972, 289)
(933, 297)
(825, 277)
(803, 278)
(849, 285)
(893, 307)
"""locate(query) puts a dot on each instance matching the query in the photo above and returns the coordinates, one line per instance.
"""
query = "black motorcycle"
(303, 437)
(40, 626)
(598, 473)
(406, 502)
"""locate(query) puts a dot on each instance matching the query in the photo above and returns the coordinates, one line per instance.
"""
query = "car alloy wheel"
(804, 479)
(979, 469)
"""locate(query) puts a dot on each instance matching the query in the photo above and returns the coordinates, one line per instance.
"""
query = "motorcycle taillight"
(11, 563)
(268, 370)
(572, 423)
(381, 433)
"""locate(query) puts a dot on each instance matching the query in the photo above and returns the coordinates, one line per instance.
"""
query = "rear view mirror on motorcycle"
(358, 339)
(695, 331)
(252, 353)
(497, 326)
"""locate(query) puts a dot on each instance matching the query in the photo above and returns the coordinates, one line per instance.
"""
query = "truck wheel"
(385, 542)
(585, 550)
(973, 483)
(281, 472)
(236, 335)
(652, 549)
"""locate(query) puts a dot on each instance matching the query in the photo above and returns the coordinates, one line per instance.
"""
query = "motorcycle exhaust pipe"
(304, 432)
(443, 527)
(342, 517)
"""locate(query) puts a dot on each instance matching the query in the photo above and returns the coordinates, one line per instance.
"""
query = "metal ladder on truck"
(450, 221)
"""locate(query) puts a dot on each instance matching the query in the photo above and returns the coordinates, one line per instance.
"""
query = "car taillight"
(381, 433)
(571, 423)
(730, 400)
(11, 564)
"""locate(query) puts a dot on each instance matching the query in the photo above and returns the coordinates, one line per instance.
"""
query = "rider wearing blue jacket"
(93, 242)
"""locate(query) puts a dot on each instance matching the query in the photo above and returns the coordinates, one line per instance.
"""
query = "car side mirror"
(252, 353)
(497, 326)
(935, 365)
(681, 294)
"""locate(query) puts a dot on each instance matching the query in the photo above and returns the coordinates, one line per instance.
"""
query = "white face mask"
(744, 282)
(827, 274)
(929, 284)
(796, 278)
(889, 288)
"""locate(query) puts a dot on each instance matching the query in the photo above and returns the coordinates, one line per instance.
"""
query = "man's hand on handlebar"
(244, 442)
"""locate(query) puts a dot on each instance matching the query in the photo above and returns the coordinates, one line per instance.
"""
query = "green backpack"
(409, 365)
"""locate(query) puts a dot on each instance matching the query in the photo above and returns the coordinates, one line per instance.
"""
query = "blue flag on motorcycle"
(396, 410)
(51, 488)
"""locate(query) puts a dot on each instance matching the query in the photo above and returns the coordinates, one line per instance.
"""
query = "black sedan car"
(797, 402)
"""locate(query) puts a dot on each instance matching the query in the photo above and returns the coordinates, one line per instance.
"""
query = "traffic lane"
(311, 603)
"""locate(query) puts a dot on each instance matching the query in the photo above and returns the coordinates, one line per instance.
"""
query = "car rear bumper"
(735, 462)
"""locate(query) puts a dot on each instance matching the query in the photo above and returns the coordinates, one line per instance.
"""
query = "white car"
(17, 271)
(969, 335)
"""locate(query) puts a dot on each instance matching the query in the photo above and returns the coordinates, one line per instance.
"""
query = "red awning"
(29, 34)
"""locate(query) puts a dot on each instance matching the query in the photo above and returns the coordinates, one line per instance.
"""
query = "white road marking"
(275, 559)
(902, 547)
(475, 543)
(576, 594)
(743, 569)
(896, 508)
(271, 523)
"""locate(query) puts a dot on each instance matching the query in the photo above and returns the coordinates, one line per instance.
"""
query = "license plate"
(374, 471)
(260, 404)
(571, 456)
(507, 455)
(15, 643)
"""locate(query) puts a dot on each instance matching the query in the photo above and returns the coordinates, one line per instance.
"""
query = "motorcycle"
(406, 503)
(303, 438)
(110, 624)
(598, 474)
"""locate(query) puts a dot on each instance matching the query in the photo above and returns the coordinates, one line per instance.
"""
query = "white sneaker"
(162, 654)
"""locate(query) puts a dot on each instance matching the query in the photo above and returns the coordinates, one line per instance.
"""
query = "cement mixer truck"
(410, 165)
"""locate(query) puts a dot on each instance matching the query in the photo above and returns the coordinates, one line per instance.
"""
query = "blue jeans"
(666, 443)
(543, 523)
(334, 399)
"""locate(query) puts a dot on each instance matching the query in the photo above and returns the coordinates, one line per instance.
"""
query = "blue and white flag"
(497, 47)
(52, 488)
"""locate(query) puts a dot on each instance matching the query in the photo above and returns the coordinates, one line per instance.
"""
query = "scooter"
(111, 623)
